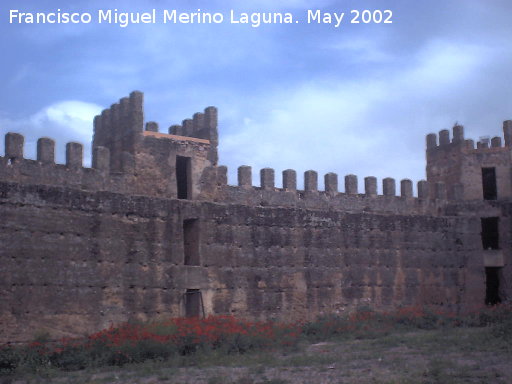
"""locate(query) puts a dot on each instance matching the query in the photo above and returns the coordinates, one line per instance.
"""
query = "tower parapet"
(470, 173)
(127, 156)
(201, 126)
(118, 128)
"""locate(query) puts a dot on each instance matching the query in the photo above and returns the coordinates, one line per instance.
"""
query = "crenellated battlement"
(456, 162)
(130, 156)
(202, 127)
(442, 141)
(133, 157)
(45, 155)
(213, 181)
(15, 168)
(289, 182)
(392, 199)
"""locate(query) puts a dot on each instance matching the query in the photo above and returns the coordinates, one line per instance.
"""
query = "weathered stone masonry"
(153, 230)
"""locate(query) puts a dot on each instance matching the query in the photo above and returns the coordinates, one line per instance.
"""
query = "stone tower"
(170, 164)
(469, 173)
(482, 177)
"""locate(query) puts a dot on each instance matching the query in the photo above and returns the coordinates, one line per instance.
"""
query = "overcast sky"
(355, 99)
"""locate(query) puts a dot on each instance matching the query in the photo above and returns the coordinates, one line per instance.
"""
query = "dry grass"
(452, 355)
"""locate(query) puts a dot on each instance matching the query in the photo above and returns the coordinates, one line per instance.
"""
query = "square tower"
(484, 172)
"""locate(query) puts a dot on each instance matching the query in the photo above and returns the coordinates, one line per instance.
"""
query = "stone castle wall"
(130, 238)
(75, 261)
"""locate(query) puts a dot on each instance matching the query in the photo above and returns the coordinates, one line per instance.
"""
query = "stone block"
(14, 146)
(370, 186)
(245, 176)
(331, 183)
(388, 187)
(74, 155)
(351, 185)
(444, 137)
(267, 178)
(151, 126)
(310, 181)
(431, 141)
(46, 150)
(290, 180)
(406, 188)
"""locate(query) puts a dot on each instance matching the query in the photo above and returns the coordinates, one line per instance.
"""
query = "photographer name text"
(173, 16)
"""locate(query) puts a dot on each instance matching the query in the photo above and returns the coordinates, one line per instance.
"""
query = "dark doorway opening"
(489, 183)
(191, 242)
(193, 303)
(490, 233)
(492, 285)
(183, 177)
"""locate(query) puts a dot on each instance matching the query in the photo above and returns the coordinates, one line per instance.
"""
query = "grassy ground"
(450, 355)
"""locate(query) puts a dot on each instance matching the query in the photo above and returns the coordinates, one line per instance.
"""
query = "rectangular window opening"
(193, 303)
(490, 233)
(489, 183)
(183, 180)
(191, 242)
(492, 285)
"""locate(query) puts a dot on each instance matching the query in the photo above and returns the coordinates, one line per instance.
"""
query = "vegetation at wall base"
(189, 339)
